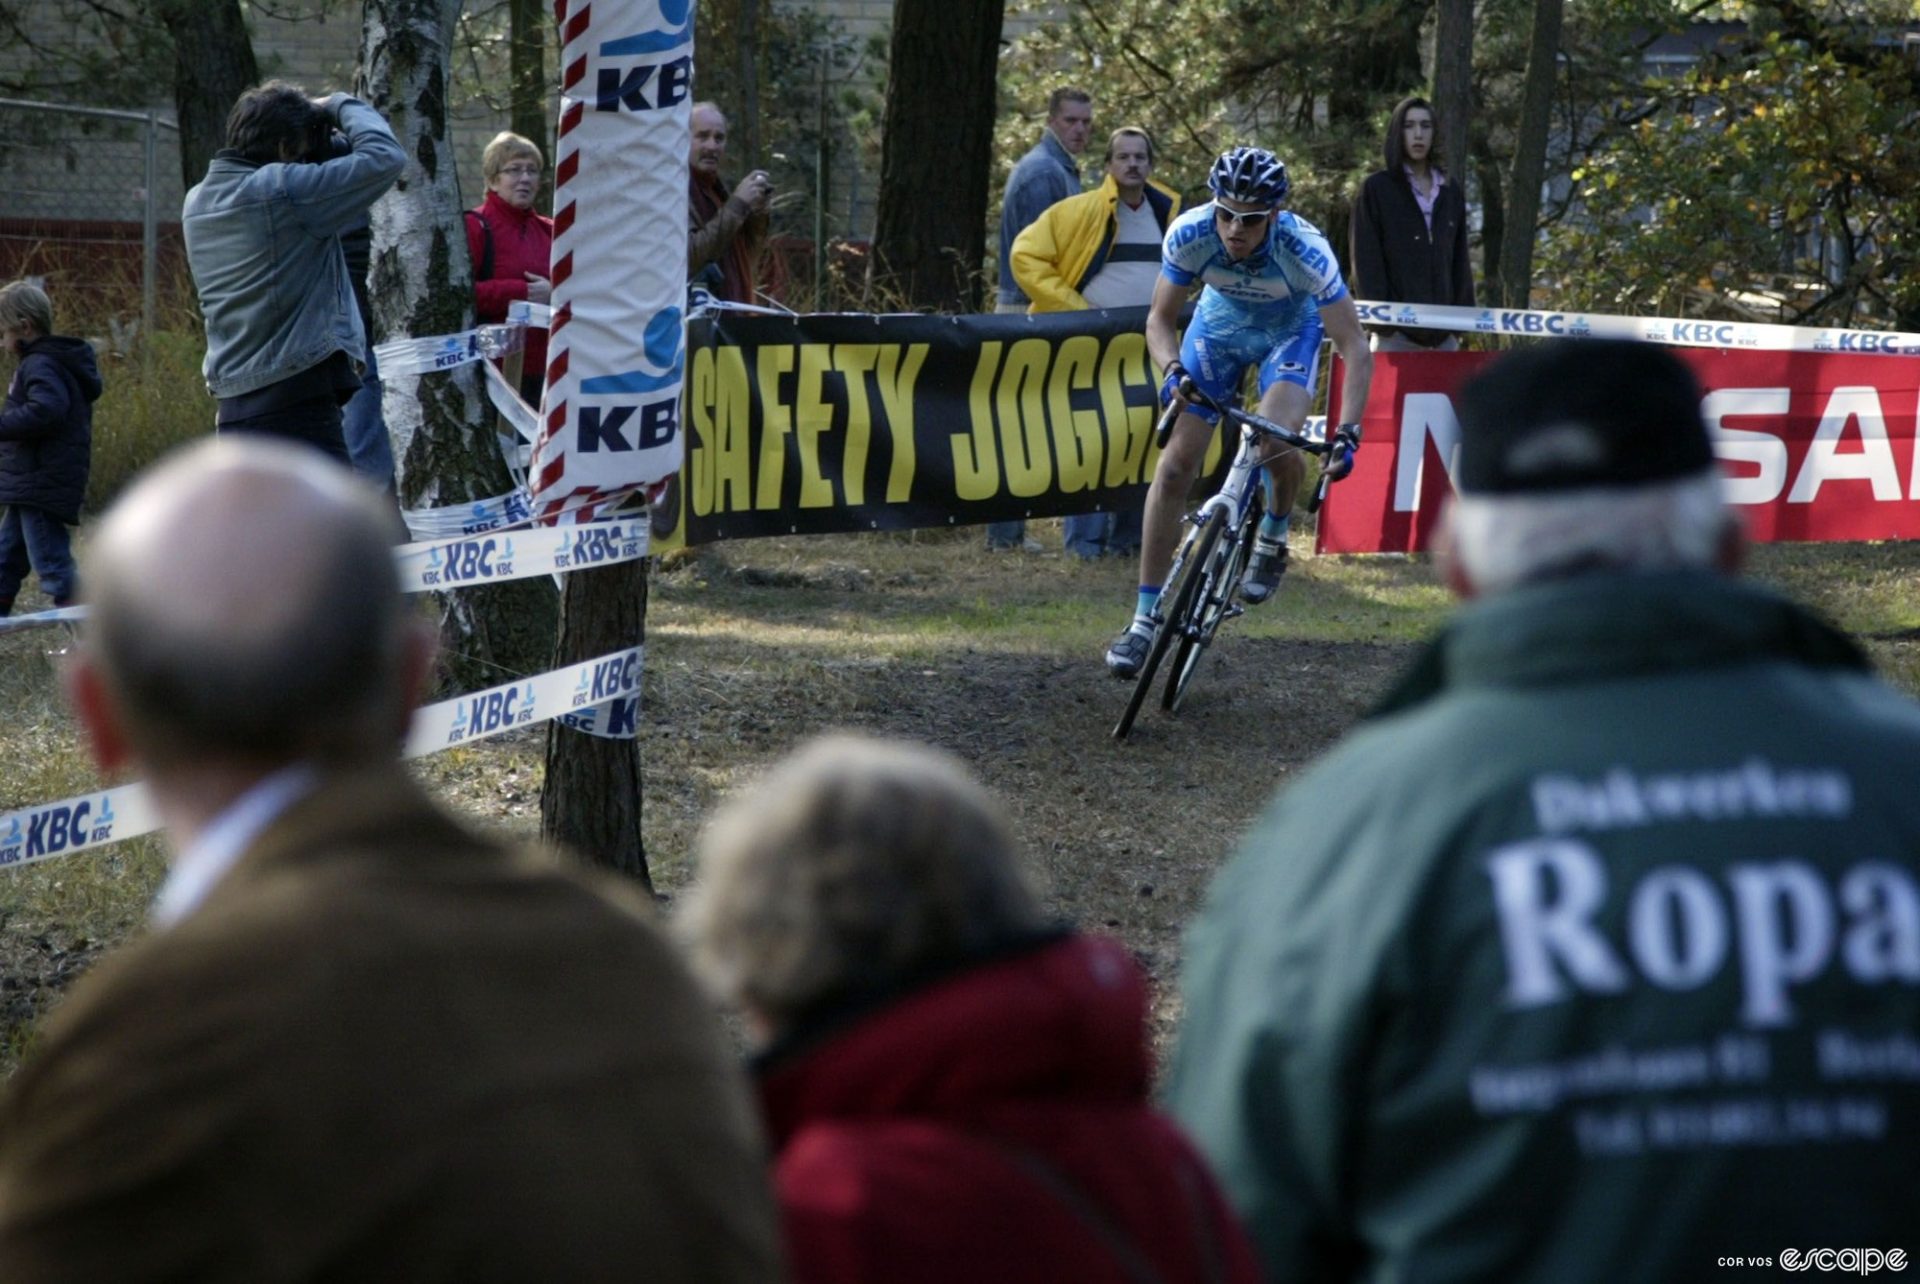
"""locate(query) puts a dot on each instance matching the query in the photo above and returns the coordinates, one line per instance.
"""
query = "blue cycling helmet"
(1251, 174)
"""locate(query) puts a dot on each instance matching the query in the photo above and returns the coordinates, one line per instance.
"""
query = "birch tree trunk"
(421, 284)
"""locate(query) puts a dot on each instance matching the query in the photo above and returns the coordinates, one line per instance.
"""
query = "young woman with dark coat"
(1409, 237)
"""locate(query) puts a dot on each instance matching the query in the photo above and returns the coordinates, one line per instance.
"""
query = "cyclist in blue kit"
(1270, 290)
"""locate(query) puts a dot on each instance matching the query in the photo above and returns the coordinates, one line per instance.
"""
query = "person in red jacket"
(512, 247)
(955, 1087)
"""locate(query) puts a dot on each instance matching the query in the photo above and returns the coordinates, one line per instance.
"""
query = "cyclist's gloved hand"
(1346, 444)
(1176, 381)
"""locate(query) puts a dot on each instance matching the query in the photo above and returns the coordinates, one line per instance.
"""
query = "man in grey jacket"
(1049, 172)
(1594, 954)
(285, 345)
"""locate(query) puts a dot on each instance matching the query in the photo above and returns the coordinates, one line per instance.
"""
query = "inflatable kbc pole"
(610, 416)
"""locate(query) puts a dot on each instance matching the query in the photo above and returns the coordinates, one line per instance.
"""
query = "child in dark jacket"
(46, 445)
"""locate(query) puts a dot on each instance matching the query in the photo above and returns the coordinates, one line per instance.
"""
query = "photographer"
(725, 231)
(285, 343)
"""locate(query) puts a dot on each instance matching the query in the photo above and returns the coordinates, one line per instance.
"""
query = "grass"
(154, 399)
(752, 646)
(154, 396)
(56, 917)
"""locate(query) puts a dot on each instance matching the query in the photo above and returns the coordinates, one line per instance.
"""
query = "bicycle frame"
(1204, 578)
(1238, 491)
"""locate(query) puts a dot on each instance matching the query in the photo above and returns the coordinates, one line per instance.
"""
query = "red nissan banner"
(1816, 446)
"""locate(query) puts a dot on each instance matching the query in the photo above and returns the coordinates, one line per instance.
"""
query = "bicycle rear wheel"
(1177, 619)
(1215, 604)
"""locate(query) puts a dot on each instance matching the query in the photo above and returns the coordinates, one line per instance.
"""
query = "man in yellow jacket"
(1100, 249)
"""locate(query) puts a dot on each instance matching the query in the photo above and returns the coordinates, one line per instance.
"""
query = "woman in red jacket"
(956, 1088)
(512, 247)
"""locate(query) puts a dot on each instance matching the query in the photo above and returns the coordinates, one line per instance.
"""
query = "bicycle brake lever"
(1165, 428)
(1319, 493)
(1327, 478)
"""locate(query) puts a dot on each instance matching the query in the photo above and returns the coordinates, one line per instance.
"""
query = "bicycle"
(1201, 589)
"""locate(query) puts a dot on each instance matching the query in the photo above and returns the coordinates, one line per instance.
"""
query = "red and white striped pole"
(610, 416)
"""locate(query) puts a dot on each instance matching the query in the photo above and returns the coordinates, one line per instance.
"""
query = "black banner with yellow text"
(812, 424)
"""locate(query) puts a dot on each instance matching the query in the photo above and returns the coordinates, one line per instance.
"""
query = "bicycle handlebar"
(1245, 418)
(1267, 428)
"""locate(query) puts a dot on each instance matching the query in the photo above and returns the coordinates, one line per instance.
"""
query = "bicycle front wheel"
(1178, 619)
(1214, 604)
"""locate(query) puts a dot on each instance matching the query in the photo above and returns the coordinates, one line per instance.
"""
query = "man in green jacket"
(1594, 954)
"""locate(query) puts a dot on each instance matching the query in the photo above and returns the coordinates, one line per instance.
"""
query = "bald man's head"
(244, 607)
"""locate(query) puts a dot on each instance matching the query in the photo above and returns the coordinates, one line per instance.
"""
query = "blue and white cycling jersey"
(1275, 290)
(1260, 312)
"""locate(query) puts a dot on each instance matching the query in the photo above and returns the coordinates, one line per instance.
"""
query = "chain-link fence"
(92, 207)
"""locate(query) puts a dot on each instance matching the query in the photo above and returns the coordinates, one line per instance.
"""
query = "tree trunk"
(1530, 155)
(592, 799)
(1453, 84)
(213, 65)
(1380, 60)
(1493, 219)
(530, 108)
(421, 284)
(747, 123)
(935, 150)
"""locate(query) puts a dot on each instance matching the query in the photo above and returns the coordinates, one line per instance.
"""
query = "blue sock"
(1274, 528)
(1149, 598)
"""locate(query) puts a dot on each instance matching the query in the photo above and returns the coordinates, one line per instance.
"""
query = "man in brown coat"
(360, 1041)
(725, 230)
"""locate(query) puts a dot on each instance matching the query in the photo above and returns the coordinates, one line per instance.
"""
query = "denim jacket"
(263, 244)
(1044, 175)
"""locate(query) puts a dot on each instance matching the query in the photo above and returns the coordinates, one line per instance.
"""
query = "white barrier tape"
(444, 352)
(469, 519)
(537, 315)
(104, 817)
(73, 824)
(700, 302)
(39, 619)
(507, 512)
(523, 418)
(515, 452)
(614, 720)
(467, 718)
(1677, 331)
(519, 554)
(464, 561)
(502, 510)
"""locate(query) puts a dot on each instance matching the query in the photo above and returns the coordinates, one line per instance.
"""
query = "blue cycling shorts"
(1217, 360)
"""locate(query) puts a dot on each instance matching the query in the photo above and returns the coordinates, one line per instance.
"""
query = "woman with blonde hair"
(955, 1086)
(512, 247)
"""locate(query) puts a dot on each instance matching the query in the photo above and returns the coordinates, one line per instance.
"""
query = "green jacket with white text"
(1593, 955)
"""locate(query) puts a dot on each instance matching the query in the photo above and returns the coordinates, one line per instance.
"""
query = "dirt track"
(1126, 835)
(756, 647)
